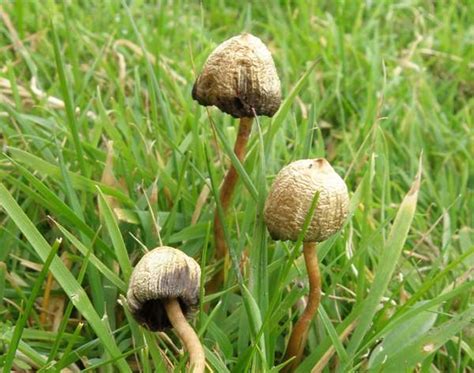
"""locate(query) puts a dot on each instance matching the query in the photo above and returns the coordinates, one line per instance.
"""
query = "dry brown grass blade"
(46, 299)
(321, 364)
(201, 201)
(108, 177)
(52, 307)
(150, 57)
(35, 93)
(17, 44)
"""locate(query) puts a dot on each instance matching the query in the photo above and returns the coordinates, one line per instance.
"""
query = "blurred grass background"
(104, 154)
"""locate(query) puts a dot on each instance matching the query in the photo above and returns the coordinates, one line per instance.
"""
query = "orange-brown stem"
(299, 335)
(188, 336)
(226, 192)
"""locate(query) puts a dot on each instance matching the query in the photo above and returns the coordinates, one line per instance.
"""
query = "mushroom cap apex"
(163, 273)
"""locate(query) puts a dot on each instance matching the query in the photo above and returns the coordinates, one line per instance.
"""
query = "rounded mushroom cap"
(290, 199)
(163, 273)
(239, 77)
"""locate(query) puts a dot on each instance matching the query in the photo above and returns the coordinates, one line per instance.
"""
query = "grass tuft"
(102, 147)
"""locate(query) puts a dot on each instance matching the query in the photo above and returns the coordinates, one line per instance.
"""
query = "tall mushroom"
(286, 207)
(163, 291)
(240, 78)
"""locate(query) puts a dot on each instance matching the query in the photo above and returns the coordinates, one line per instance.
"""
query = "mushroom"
(163, 291)
(240, 78)
(286, 208)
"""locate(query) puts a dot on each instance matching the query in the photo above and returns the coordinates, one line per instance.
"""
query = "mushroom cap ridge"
(163, 273)
(291, 196)
(239, 77)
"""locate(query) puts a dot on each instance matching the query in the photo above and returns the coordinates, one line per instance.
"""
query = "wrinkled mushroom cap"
(162, 273)
(238, 77)
(290, 199)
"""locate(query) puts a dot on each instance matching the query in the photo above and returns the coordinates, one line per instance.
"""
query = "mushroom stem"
(299, 335)
(226, 192)
(187, 335)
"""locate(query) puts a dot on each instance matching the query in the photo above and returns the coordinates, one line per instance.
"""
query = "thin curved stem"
(226, 192)
(188, 336)
(298, 337)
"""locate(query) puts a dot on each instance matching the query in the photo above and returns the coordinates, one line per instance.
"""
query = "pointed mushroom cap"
(238, 77)
(290, 199)
(162, 273)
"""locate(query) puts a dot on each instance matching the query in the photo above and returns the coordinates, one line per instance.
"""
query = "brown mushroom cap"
(290, 199)
(238, 77)
(163, 273)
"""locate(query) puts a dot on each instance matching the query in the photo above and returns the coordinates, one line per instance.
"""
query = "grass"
(105, 154)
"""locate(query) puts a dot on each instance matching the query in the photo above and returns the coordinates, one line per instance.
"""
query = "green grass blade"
(115, 236)
(255, 321)
(418, 350)
(410, 311)
(71, 342)
(78, 181)
(220, 212)
(67, 313)
(97, 289)
(341, 352)
(3, 270)
(21, 322)
(398, 338)
(101, 267)
(387, 264)
(53, 203)
(37, 359)
(62, 275)
(281, 114)
(68, 100)
(217, 364)
(237, 164)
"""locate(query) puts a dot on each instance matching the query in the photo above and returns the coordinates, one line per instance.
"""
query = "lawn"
(105, 155)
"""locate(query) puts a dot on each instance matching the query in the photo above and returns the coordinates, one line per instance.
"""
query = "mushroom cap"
(239, 77)
(163, 273)
(290, 199)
